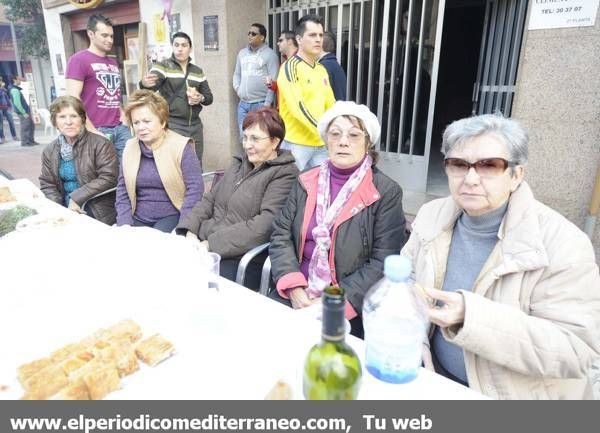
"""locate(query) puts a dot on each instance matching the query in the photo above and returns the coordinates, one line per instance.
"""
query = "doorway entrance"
(461, 42)
(419, 65)
(477, 70)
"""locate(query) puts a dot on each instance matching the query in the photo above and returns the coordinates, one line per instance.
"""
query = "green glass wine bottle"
(332, 371)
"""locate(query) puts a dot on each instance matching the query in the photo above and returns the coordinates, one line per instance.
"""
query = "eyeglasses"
(251, 33)
(354, 135)
(489, 167)
(252, 139)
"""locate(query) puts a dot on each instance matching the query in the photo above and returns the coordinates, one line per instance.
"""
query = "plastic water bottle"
(395, 324)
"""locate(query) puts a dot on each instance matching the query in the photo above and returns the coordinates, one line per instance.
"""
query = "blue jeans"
(244, 108)
(118, 135)
(306, 156)
(166, 224)
(5, 113)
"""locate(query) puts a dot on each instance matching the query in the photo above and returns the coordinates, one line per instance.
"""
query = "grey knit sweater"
(473, 240)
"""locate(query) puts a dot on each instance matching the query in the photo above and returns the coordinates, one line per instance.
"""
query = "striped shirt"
(304, 96)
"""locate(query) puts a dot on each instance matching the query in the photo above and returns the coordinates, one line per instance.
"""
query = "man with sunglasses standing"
(254, 64)
(516, 304)
(287, 44)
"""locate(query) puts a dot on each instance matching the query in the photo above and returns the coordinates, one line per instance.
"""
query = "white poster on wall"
(555, 14)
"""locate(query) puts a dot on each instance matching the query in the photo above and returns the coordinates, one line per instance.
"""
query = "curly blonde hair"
(146, 98)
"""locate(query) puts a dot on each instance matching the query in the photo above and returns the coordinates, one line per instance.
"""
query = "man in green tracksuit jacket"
(185, 88)
(22, 109)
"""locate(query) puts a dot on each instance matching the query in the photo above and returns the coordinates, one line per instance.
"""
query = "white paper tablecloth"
(58, 285)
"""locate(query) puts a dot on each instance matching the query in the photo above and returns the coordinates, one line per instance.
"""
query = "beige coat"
(167, 156)
(532, 320)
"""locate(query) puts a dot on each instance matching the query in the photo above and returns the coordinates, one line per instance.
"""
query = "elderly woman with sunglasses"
(341, 220)
(237, 214)
(515, 285)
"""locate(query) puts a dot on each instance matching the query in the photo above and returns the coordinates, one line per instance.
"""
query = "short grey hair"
(508, 130)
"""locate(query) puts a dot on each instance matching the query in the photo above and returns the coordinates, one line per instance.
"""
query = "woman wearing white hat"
(341, 219)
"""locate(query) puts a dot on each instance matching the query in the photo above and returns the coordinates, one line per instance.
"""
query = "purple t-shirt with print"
(101, 93)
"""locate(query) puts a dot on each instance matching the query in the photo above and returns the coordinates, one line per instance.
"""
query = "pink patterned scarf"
(319, 275)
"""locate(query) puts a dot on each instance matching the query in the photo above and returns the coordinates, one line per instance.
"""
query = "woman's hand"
(191, 236)
(450, 312)
(316, 301)
(427, 360)
(150, 80)
(194, 97)
(75, 207)
(299, 298)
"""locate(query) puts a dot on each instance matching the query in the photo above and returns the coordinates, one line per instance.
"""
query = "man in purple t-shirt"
(95, 78)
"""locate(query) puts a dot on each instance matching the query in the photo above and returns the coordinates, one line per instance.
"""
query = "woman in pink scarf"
(341, 219)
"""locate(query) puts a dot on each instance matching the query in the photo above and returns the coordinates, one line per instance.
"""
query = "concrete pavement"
(24, 162)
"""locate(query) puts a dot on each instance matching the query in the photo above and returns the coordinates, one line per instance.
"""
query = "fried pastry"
(93, 367)
(281, 391)
(25, 371)
(5, 195)
(76, 390)
(102, 381)
(125, 328)
(45, 383)
(85, 355)
(154, 349)
(122, 355)
(69, 366)
(66, 352)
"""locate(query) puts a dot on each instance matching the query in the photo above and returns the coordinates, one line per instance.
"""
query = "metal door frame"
(499, 53)
(407, 169)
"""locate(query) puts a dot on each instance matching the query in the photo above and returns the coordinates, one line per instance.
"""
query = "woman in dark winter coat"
(341, 220)
(79, 164)
(237, 214)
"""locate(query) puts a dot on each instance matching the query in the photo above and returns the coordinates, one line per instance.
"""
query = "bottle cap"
(397, 268)
(334, 305)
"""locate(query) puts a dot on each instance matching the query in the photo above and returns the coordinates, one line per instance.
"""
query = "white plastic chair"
(45, 116)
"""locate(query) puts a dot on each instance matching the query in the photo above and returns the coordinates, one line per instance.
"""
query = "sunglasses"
(489, 167)
(251, 33)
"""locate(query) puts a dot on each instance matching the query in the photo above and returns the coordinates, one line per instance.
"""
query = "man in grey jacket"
(254, 63)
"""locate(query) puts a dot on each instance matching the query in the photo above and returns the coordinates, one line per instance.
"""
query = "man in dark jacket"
(337, 76)
(185, 88)
(5, 112)
(22, 109)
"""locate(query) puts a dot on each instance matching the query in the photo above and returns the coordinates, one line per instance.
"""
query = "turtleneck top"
(337, 178)
(473, 240)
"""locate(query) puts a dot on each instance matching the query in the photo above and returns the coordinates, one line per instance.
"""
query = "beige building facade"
(558, 100)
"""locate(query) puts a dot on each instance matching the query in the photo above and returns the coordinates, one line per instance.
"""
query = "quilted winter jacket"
(369, 228)
(170, 77)
(237, 214)
(532, 320)
(97, 170)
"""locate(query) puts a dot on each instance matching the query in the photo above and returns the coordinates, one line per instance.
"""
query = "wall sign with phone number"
(553, 14)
